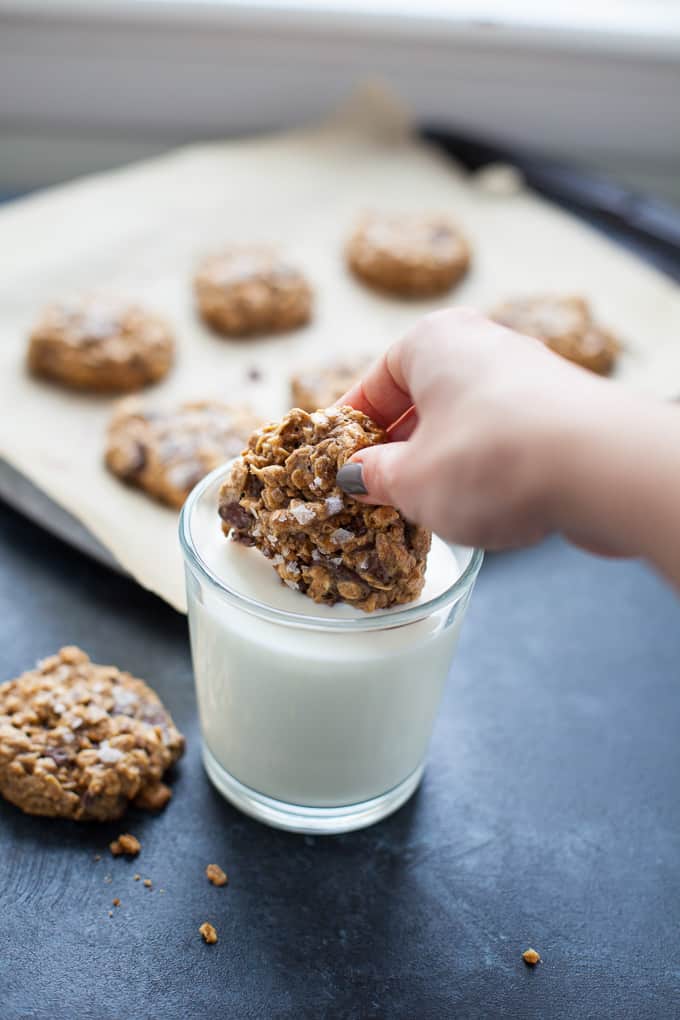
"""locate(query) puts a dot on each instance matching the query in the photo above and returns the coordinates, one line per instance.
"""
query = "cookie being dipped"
(282, 496)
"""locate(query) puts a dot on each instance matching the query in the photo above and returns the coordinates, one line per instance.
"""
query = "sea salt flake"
(123, 699)
(316, 483)
(340, 536)
(107, 754)
(334, 504)
(302, 513)
(292, 584)
(277, 559)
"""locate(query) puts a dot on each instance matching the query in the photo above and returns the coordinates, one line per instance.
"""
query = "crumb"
(254, 374)
(116, 902)
(108, 879)
(215, 875)
(161, 891)
(136, 878)
(125, 844)
(531, 957)
(110, 913)
(147, 882)
(97, 857)
(209, 934)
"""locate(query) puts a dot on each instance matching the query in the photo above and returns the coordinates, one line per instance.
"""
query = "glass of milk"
(314, 718)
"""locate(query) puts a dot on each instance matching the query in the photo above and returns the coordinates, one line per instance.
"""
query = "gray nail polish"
(350, 478)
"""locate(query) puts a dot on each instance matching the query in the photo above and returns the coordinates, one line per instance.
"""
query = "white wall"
(94, 84)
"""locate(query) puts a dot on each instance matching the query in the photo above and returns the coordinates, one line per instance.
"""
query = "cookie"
(249, 290)
(323, 385)
(281, 496)
(166, 453)
(83, 741)
(566, 326)
(101, 343)
(408, 255)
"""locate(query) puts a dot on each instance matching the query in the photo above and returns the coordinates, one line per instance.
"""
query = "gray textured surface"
(549, 816)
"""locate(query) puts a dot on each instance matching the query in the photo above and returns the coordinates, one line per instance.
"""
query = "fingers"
(382, 393)
(414, 365)
(404, 428)
(378, 474)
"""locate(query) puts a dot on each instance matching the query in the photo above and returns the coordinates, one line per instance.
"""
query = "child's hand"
(503, 441)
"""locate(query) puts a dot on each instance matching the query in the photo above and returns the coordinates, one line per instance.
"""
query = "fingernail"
(350, 478)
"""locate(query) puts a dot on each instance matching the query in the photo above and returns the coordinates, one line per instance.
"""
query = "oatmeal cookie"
(408, 255)
(566, 326)
(167, 452)
(249, 290)
(282, 497)
(101, 343)
(322, 385)
(82, 741)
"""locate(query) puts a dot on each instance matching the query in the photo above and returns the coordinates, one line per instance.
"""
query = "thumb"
(378, 474)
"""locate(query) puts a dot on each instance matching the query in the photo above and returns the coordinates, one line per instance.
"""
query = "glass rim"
(372, 622)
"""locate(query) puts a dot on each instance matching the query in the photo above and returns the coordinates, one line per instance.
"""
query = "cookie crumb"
(215, 875)
(97, 857)
(531, 957)
(108, 879)
(209, 933)
(125, 844)
(254, 374)
(110, 913)
(148, 883)
(136, 878)
(116, 902)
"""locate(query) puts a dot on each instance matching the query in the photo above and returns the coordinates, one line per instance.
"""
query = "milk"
(327, 706)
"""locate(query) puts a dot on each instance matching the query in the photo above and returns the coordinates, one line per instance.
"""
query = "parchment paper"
(141, 230)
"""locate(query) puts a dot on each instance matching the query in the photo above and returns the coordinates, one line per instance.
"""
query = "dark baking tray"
(549, 816)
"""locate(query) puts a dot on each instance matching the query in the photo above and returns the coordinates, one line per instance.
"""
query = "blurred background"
(91, 84)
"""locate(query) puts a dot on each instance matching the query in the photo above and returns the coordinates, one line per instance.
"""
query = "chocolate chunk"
(235, 515)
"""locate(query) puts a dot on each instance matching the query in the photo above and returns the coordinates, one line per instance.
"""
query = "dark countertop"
(549, 816)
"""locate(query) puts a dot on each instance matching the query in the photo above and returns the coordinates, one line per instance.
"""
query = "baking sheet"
(141, 230)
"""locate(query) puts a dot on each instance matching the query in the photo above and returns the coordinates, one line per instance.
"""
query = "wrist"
(617, 481)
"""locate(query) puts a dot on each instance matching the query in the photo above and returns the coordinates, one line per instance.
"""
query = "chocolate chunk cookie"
(166, 453)
(408, 255)
(322, 385)
(249, 290)
(101, 343)
(82, 741)
(282, 497)
(566, 326)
